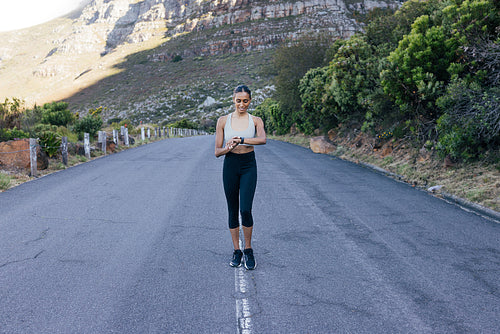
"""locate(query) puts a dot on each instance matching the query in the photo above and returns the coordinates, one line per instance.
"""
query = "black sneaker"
(249, 259)
(236, 261)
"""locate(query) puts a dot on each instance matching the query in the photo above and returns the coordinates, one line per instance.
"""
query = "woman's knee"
(246, 218)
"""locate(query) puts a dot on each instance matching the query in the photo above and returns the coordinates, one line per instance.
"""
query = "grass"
(478, 182)
(5, 181)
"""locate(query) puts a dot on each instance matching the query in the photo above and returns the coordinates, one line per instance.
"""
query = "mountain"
(156, 60)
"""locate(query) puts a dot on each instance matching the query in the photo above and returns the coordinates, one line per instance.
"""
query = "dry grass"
(477, 182)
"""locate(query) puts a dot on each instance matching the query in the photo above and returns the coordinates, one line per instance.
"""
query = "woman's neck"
(238, 114)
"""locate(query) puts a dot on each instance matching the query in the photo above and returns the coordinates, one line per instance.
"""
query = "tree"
(291, 63)
(91, 123)
(11, 113)
(57, 113)
(313, 114)
(270, 113)
(353, 75)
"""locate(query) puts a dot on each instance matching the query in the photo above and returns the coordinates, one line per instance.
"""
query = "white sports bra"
(247, 133)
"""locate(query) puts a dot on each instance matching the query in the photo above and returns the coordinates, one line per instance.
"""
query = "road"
(137, 242)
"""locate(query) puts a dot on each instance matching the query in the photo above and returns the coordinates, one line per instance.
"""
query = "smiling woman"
(18, 14)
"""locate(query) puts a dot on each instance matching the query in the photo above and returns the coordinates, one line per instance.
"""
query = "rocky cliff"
(58, 59)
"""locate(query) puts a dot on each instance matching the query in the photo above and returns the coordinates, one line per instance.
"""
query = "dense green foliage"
(270, 112)
(50, 142)
(90, 124)
(290, 63)
(429, 71)
(184, 124)
(57, 113)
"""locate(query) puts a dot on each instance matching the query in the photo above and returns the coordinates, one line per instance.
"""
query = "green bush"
(90, 124)
(11, 134)
(471, 124)
(290, 64)
(11, 113)
(270, 113)
(57, 113)
(184, 124)
(313, 114)
(50, 142)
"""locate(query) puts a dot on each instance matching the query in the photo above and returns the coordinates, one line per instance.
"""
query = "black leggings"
(240, 179)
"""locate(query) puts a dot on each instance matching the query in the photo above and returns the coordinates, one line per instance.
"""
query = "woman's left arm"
(260, 138)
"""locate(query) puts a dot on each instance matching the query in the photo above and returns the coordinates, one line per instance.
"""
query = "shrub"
(57, 113)
(10, 134)
(11, 113)
(90, 124)
(314, 113)
(270, 113)
(50, 142)
(471, 124)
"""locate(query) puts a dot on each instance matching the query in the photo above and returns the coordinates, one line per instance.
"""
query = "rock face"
(321, 145)
(105, 24)
(128, 40)
(16, 154)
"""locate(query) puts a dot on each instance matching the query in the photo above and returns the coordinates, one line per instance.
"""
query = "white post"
(64, 150)
(143, 136)
(149, 133)
(115, 136)
(125, 136)
(86, 144)
(33, 145)
(102, 140)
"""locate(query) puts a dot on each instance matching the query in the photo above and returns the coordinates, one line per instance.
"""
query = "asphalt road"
(137, 242)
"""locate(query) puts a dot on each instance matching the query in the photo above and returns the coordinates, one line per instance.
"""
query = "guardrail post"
(86, 144)
(64, 150)
(125, 136)
(149, 133)
(115, 136)
(33, 145)
(102, 140)
(143, 135)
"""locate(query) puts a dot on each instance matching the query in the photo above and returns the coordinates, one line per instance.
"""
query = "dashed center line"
(243, 313)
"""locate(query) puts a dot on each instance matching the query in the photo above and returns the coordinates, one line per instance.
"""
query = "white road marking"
(243, 313)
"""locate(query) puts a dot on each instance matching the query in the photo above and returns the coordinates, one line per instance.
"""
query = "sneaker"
(236, 261)
(249, 259)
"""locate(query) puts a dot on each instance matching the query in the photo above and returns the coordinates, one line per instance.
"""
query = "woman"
(240, 131)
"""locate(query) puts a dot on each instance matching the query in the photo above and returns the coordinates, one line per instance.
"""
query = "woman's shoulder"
(255, 119)
(222, 120)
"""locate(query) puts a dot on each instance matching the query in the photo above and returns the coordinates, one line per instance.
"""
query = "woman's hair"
(244, 89)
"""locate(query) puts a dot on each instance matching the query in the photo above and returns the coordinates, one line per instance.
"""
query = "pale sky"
(18, 14)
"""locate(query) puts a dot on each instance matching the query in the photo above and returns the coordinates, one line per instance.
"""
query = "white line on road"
(243, 314)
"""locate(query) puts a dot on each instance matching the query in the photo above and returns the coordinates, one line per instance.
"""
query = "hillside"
(159, 60)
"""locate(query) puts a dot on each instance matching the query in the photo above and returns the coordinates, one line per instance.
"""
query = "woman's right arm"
(219, 139)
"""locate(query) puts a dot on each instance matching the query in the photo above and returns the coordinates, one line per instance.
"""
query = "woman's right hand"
(231, 144)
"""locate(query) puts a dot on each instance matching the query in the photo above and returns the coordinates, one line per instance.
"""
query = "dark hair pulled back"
(243, 89)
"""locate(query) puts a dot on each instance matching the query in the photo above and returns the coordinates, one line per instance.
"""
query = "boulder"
(16, 154)
(321, 145)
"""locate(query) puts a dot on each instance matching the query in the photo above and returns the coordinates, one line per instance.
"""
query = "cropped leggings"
(240, 179)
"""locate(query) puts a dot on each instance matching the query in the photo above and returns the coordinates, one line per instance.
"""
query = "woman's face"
(241, 101)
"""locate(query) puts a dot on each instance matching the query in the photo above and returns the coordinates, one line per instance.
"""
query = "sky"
(18, 14)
